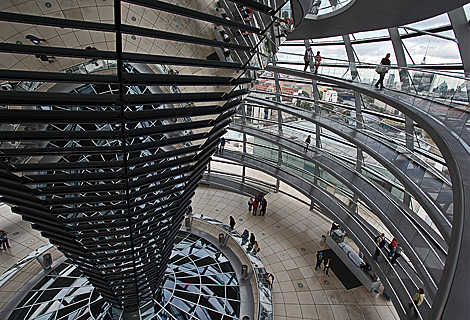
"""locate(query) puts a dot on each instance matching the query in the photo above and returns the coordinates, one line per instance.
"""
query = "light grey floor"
(287, 227)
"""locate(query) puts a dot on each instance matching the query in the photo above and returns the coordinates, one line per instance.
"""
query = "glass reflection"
(199, 283)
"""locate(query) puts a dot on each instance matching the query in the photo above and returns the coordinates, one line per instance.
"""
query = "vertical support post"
(404, 79)
(400, 56)
(449, 302)
(279, 119)
(316, 102)
(358, 108)
(459, 22)
(244, 139)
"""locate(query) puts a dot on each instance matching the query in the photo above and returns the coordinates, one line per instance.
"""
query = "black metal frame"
(101, 175)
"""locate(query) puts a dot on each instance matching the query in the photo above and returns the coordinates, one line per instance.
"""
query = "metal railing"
(264, 289)
(320, 8)
(444, 88)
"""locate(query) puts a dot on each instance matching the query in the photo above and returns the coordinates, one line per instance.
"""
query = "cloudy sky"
(439, 51)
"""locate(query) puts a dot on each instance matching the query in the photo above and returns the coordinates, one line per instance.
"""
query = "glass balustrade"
(413, 166)
(445, 96)
(320, 8)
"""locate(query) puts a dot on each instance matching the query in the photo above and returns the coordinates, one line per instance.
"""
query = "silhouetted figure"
(307, 142)
(252, 241)
(382, 70)
(232, 222)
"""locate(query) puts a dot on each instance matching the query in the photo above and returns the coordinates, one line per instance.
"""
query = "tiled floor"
(22, 238)
(287, 228)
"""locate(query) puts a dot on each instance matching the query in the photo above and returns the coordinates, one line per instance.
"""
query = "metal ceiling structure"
(107, 168)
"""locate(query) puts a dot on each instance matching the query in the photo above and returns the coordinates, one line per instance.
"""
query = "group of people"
(260, 203)
(4, 240)
(394, 247)
(326, 263)
(308, 57)
(253, 244)
(246, 13)
(381, 69)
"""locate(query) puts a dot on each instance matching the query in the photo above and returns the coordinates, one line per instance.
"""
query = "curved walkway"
(454, 146)
(365, 15)
(281, 250)
(421, 183)
(426, 258)
(289, 236)
(401, 282)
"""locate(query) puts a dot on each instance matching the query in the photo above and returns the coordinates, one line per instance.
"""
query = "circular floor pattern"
(199, 283)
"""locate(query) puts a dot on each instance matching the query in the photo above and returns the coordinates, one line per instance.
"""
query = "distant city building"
(330, 95)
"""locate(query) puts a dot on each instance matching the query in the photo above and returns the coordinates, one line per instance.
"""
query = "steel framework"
(106, 169)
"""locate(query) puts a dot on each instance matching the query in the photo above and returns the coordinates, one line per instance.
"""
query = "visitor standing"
(252, 241)
(317, 62)
(319, 260)
(222, 145)
(379, 240)
(264, 204)
(327, 266)
(418, 300)
(260, 198)
(250, 204)
(245, 236)
(255, 207)
(397, 254)
(307, 142)
(232, 222)
(382, 70)
(269, 278)
(392, 246)
(255, 247)
(4, 239)
(308, 58)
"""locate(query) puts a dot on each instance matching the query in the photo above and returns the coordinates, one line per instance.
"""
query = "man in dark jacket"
(232, 222)
(319, 260)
